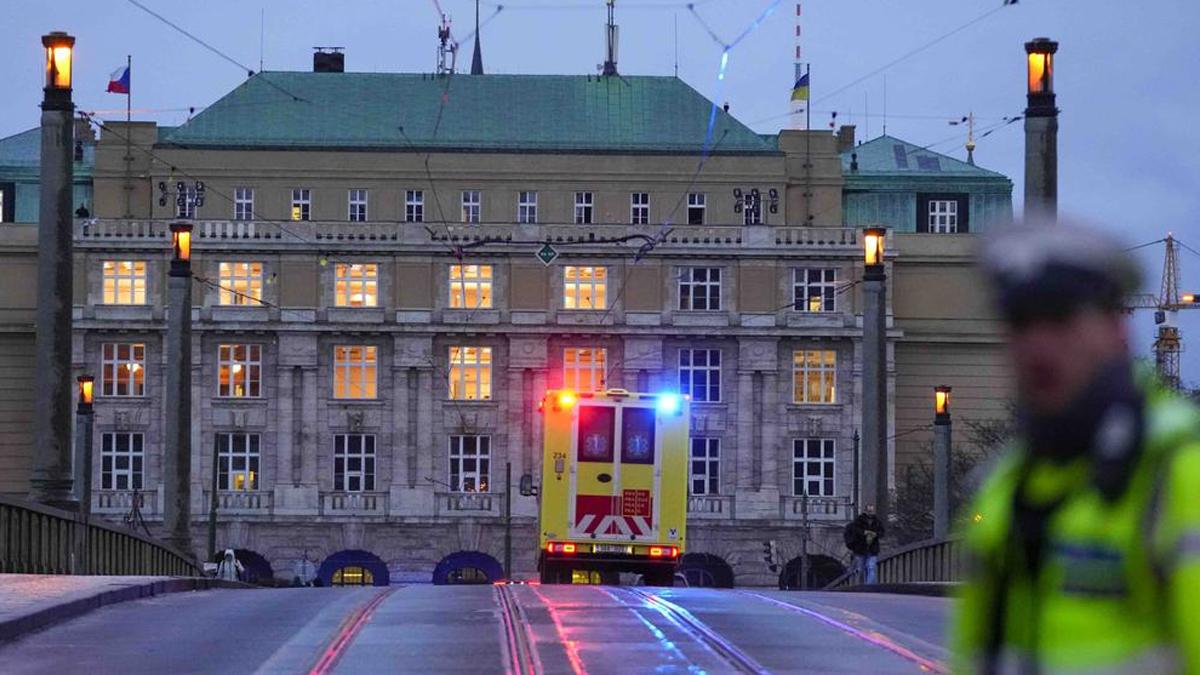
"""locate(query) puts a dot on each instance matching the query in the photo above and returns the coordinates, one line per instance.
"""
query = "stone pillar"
(284, 429)
(1041, 133)
(177, 450)
(309, 450)
(296, 426)
(874, 411)
(941, 475)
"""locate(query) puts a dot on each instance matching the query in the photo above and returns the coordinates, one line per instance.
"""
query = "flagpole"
(128, 132)
(807, 148)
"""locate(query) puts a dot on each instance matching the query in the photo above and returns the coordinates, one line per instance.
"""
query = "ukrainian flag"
(800, 91)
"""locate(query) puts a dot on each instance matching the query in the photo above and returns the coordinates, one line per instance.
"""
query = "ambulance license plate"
(612, 548)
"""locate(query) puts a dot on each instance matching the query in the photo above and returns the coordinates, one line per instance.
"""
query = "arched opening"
(705, 570)
(255, 568)
(822, 569)
(353, 568)
(467, 567)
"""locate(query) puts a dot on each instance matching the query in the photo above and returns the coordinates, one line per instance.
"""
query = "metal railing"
(37, 539)
(929, 561)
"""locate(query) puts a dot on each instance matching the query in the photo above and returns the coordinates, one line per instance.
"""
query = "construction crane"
(1168, 342)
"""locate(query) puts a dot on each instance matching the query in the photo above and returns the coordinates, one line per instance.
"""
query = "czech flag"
(118, 82)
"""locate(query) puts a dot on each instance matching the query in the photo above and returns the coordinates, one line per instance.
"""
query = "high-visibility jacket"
(1118, 588)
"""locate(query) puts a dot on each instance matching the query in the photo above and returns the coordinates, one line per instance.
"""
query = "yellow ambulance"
(614, 486)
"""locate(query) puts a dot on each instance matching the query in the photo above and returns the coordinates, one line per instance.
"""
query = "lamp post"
(1041, 132)
(178, 447)
(84, 421)
(50, 479)
(941, 461)
(874, 373)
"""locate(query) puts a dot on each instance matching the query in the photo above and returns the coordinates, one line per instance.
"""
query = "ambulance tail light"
(664, 552)
(559, 547)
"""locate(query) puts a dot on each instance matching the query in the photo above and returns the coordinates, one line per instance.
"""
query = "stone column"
(177, 451)
(284, 429)
(874, 412)
(309, 450)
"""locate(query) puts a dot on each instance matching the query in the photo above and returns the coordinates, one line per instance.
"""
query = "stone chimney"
(845, 136)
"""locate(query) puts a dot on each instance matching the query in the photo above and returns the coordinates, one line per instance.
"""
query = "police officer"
(1084, 542)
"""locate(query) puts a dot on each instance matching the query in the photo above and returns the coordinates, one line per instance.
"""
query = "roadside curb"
(941, 589)
(14, 628)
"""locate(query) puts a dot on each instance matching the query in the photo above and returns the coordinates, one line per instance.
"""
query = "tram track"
(520, 651)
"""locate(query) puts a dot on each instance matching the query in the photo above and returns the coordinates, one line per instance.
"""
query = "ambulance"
(614, 486)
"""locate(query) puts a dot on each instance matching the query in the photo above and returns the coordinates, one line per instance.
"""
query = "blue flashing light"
(668, 404)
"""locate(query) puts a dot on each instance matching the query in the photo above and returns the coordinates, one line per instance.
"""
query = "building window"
(237, 461)
(121, 457)
(585, 369)
(358, 205)
(414, 206)
(471, 373)
(814, 373)
(470, 286)
(697, 205)
(470, 463)
(943, 216)
(639, 208)
(527, 207)
(700, 374)
(185, 202)
(124, 282)
(356, 285)
(583, 208)
(812, 467)
(706, 466)
(700, 289)
(241, 283)
(585, 287)
(814, 290)
(752, 210)
(301, 205)
(470, 206)
(243, 203)
(123, 369)
(354, 372)
(353, 462)
(240, 371)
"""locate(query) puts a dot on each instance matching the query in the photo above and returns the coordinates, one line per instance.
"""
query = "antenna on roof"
(477, 57)
(611, 32)
(969, 120)
(676, 45)
(262, 31)
(447, 49)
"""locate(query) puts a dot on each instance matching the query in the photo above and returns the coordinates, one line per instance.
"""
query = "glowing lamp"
(59, 49)
(86, 384)
(566, 399)
(181, 238)
(873, 241)
(941, 400)
(1040, 53)
(669, 404)
(1188, 298)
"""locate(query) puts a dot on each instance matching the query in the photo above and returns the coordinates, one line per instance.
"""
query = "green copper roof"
(24, 151)
(466, 112)
(888, 156)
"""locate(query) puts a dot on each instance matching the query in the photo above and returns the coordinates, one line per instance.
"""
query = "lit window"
(697, 205)
(353, 462)
(943, 216)
(470, 286)
(414, 206)
(240, 371)
(700, 374)
(470, 463)
(585, 369)
(301, 205)
(585, 287)
(814, 290)
(358, 205)
(354, 372)
(527, 207)
(706, 466)
(470, 206)
(237, 461)
(700, 289)
(639, 208)
(124, 282)
(123, 369)
(241, 283)
(583, 208)
(243, 203)
(471, 373)
(813, 461)
(356, 285)
(121, 460)
(814, 374)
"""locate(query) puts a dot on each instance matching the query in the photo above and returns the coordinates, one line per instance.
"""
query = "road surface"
(575, 630)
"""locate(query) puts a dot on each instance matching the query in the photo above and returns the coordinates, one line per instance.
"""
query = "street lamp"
(941, 461)
(1041, 131)
(177, 479)
(84, 423)
(874, 369)
(51, 477)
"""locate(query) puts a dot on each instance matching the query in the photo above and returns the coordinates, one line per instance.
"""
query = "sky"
(1129, 154)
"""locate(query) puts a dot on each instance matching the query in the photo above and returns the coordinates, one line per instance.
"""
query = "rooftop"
(466, 112)
(888, 156)
(23, 151)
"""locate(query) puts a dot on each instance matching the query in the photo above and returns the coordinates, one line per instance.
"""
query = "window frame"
(826, 461)
(826, 287)
(596, 284)
(228, 455)
(187, 209)
(457, 457)
(595, 368)
(356, 205)
(462, 283)
(687, 301)
(414, 206)
(460, 384)
(301, 204)
(699, 202)
(689, 371)
(950, 215)
(135, 453)
(243, 203)
(639, 208)
(367, 367)
(343, 455)
(710, 460)
(136, 279)
(347, 285)
(472, 209)
(585, 208)
(230, 365)
(527, 206)
(826, 372)
(134, 365)
(240, 289)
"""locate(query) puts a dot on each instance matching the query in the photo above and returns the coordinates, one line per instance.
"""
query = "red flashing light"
(556, 547)
(663, 552)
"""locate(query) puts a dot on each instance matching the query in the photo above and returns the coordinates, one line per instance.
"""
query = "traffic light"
(771, 555)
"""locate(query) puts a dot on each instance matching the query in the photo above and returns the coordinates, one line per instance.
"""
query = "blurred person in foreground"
(1083, 545)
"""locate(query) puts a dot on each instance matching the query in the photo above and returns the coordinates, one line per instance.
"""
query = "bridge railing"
(37, 539)
(929, 561)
